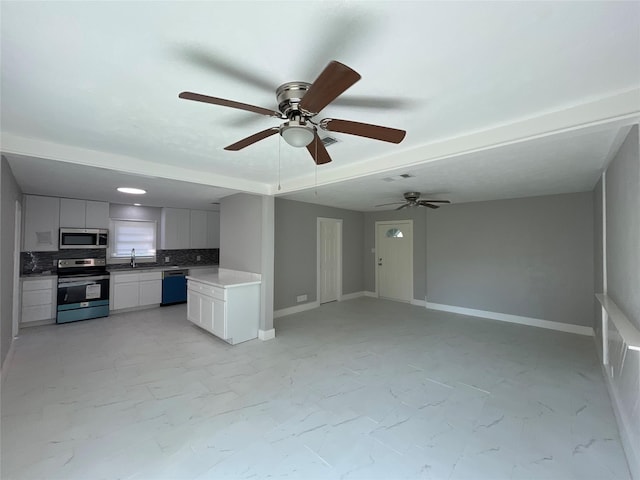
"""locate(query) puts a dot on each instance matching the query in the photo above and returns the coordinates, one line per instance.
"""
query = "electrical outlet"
(198, 258)
(301, 298)
(167, 259)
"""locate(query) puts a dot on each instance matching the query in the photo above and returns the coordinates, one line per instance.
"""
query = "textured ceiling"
(97, 83)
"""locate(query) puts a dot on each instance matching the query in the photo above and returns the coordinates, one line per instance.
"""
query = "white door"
(394, 260)
(329, 259)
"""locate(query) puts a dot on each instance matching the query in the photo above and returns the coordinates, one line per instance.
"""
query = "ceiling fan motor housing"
(289, 95)
(412, 197)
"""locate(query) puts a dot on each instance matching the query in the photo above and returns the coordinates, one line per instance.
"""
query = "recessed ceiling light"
(134, 191)
(136, 204)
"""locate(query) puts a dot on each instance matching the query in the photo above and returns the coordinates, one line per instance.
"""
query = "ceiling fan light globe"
(297, 135)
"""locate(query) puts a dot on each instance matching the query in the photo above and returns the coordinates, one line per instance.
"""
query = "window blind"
(133, 234)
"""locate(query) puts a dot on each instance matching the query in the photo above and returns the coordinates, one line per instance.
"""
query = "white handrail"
(629, 333)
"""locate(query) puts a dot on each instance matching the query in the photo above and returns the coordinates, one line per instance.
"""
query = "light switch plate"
(167, 259)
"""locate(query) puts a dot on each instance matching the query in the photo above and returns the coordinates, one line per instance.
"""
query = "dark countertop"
(123, 268)
(161, 268)
(38, 275)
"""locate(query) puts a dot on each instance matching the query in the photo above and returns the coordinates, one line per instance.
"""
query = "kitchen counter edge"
(225, 278)
(160, 268)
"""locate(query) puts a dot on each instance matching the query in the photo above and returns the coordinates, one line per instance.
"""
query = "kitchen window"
(127, 235)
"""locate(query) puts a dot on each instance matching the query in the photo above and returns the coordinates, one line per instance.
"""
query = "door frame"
(338, 221)
(375, 257)
(17, 236)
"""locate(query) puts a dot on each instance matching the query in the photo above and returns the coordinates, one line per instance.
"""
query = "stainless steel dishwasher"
(174, 286)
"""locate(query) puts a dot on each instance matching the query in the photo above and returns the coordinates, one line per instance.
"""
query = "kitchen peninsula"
(225, 302)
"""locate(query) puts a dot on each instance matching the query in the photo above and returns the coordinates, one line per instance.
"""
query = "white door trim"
(338, 221)
(16, 270)
(375, 257)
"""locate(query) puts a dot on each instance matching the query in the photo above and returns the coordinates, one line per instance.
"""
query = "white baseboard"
(419, 303)
(630, 449)
(371, 294)
(267, 334)
(295, 309)
(311, 305)
(351, 296)
(7, 361)
(505, 317)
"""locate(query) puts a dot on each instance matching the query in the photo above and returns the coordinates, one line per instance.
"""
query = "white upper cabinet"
(72, 213)
(198, 229)
(182, 229)
(83, 213)
(213, 229)
(97, 214)
(41, 223)
(175, 229)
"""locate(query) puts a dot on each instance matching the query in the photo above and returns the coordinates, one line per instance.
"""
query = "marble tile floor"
(361, 389)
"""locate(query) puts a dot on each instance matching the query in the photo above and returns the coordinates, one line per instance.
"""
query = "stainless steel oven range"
(83, 289)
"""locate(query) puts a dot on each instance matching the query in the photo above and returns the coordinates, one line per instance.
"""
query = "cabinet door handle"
(380, 262)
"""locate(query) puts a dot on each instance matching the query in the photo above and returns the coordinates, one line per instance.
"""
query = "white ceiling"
(499, 99)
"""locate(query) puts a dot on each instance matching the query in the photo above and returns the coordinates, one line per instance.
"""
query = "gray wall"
(10, 192)
(241, 232)
(418, 215)
(295, 269)
(531, 257)
(622, 202)
(623, 228)
(246, 243)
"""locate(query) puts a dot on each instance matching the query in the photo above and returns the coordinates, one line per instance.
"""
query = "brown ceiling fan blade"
(231, 67)
(386, 134)
(387, 204)
(435, 201)
(402, 206)
(318, 151)
(331, 83)
(256, 137)
(196, 97)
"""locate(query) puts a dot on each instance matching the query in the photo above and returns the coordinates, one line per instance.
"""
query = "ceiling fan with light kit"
(298, 104)
(412, 199)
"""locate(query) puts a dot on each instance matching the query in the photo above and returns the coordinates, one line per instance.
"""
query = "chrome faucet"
(133, 258)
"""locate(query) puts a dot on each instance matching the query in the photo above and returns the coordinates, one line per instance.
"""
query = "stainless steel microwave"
(83, 238)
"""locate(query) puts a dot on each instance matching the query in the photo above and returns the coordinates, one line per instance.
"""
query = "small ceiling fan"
(412, 199)
(298, 103)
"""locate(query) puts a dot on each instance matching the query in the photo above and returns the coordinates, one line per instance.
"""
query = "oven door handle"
(78, 283)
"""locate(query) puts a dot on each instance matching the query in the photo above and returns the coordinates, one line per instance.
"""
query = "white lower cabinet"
(125, 295)
(129, 290)
(150, 289)
(231, 313)
(38, 300)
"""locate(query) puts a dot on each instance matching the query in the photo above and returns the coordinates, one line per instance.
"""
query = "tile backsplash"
(188, 257)
(39, 262)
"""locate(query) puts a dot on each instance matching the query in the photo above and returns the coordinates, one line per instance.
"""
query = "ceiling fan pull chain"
(316, 156)
(279, 144)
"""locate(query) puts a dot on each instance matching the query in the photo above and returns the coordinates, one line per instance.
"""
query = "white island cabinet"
(225, 303)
